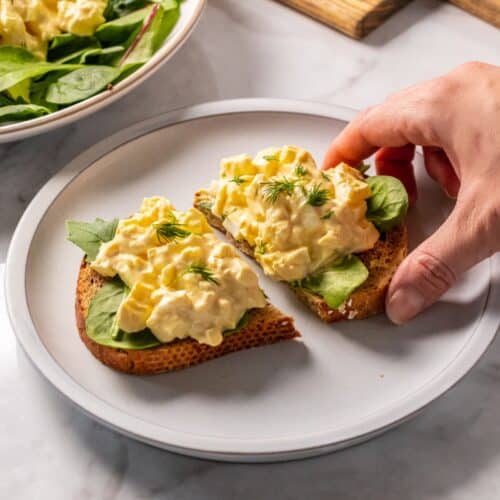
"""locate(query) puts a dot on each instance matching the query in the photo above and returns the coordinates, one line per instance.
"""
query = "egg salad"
(297, 218)
(183, 281)
(33, 23)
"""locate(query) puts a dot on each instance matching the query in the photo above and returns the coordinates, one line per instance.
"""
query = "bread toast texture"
(369, 299)
(265, 326)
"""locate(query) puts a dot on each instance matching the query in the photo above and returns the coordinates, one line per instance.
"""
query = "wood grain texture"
(488, 10)
(355, 18)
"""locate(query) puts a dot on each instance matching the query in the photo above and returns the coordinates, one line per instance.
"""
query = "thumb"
(433, 267)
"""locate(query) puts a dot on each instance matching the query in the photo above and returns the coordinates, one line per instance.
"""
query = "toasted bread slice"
(265, 326)
(369, 299)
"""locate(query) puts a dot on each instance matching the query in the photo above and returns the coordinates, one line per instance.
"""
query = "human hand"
(456, 118)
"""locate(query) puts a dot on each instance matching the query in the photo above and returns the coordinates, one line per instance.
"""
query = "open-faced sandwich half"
(336, 236)
(158, 291)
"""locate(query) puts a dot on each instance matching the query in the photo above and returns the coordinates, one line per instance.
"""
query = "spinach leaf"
(152, 36)
(388, 203)
(101, 324)
(241, 323)
(63, 46)
(95, 55)
(5, 99)
(90, 235)
(119, 31)
(120, 8)
(21, 91)
(18, 112)
(337, 282)
(81, 84)
(126, 71)
(16, 55)
(12, 73)
(39, 90)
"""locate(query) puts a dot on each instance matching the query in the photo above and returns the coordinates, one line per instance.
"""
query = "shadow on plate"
(244, 374)
(399, 341)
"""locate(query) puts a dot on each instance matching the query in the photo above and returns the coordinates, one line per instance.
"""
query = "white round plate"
(338, 385)
(190, 13)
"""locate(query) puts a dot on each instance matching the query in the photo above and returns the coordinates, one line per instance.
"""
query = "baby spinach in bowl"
(76, 67)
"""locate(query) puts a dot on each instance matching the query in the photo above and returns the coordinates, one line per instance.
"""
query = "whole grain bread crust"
(265, 326)
(369, 299)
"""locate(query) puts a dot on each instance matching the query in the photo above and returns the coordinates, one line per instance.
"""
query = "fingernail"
(404, 304)
(447, 193)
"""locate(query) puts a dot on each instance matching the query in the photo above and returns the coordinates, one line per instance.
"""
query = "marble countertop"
(252, 49)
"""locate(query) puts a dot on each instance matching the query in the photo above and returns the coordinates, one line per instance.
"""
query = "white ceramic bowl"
(190, 13)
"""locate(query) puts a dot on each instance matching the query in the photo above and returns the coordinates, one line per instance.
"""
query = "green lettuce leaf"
(12, 73)
(15, 55)
(119, 31)
(241, 323)
(81, 84)
(150, 40)
(337, 282)
(101, 324)
(18, 112)
(388, 204)
(97, 55)
(20, 91)
(63, 46)
(89, 236)
(120, 8)
(39, 88)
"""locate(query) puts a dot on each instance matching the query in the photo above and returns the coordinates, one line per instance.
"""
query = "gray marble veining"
(244, 49)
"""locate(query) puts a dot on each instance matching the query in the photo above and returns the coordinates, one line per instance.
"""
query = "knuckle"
(434, 275)
(419, 122)
(441, 88)
(366, 120)
(363, 116)
(488, 224)
(481, 219)
(470, 66)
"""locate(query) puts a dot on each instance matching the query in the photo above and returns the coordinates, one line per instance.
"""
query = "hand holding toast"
(456, 119)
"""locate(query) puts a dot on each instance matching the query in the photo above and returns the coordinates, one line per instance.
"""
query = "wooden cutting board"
(357, 18)
(489, 10)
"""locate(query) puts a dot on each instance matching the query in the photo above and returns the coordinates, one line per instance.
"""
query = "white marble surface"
(242, 49)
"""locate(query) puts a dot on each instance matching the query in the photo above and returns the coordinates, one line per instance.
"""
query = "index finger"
(394, 124)
(350, 146)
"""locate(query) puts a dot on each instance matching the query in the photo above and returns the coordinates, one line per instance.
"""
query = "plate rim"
(267, 450)
(88, 106)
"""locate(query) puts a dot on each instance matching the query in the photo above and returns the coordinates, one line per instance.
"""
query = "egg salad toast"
(158, 292)
(336, 237)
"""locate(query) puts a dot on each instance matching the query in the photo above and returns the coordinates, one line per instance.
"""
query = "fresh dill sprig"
(273, 189)
(316, 196)
(326, 177)
(327, 215)
(363, 167)
(271, 157)
(203, 271)
(169, 231)
(300, 170)
(207, 205)
(261, 248)
(237, 179)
